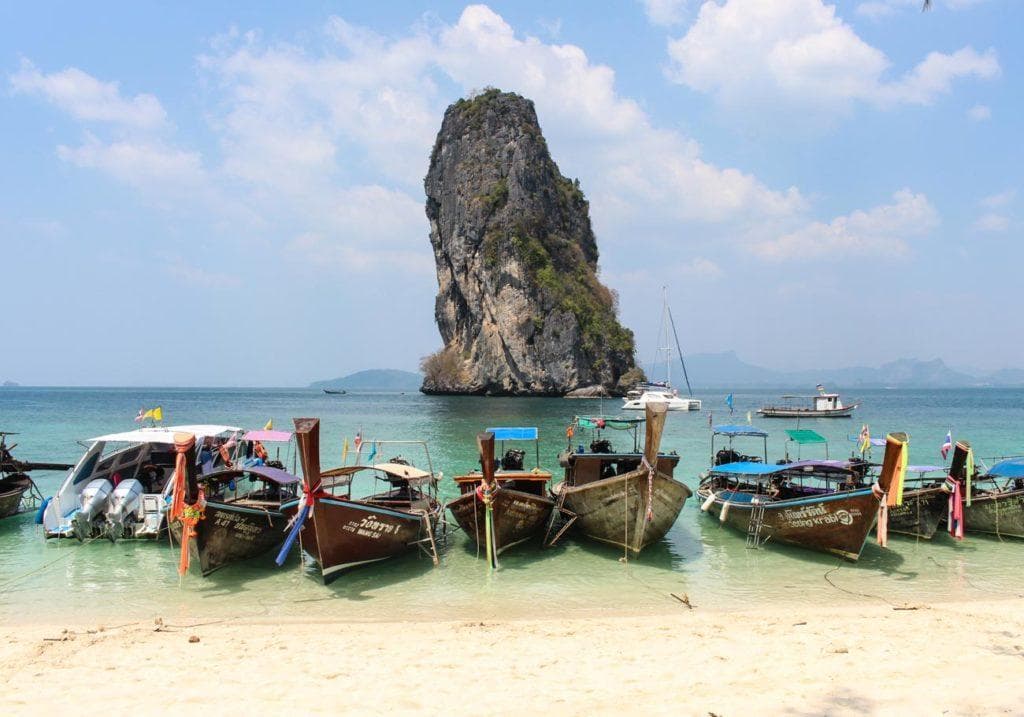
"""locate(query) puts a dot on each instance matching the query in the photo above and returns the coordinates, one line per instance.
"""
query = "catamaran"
(121, 486)
(638, 397)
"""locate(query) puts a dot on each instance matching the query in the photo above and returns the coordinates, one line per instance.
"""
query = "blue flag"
(373, 453)
(728, 402)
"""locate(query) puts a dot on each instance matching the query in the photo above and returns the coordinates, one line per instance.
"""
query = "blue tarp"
(514, 434)
(747, 468)
(740, 431)
(1013, 468)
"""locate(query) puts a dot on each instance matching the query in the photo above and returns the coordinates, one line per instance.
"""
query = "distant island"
(728, 370)
(378, 379)
(10, 384)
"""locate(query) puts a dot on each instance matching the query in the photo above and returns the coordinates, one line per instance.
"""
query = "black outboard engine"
(601, 445)
(727, 455)
(513, 459)
(400, 461)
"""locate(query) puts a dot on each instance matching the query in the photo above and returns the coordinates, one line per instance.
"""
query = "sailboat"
(662, 391)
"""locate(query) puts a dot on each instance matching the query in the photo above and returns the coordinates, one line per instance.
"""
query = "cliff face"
(519, 305)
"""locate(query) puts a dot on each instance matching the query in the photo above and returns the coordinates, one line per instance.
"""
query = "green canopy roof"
(803, 436)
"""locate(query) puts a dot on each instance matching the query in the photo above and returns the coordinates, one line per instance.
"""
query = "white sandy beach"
(948, 659)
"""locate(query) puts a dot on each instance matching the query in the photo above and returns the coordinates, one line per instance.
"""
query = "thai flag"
(140, 416)
(358, 441)
(948, 445)
(819, 387)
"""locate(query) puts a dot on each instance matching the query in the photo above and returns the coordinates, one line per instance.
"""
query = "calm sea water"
(50, 580)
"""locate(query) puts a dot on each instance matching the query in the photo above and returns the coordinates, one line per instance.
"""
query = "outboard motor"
(124, 503)
(94, 501)
(601, 445)
(513, 459)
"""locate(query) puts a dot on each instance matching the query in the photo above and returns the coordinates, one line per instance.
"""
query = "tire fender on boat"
(706, 505)
(42, 510)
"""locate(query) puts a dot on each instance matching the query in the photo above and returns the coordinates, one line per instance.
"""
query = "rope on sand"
(859, 594)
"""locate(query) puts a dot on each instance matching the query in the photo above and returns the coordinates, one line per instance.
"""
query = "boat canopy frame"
(528, 434)
(596, 424)
(738, 431)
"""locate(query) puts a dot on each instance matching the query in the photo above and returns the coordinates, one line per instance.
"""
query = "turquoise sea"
(49, 581)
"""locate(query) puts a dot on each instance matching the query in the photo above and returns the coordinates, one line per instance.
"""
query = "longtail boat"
(925, 503)
(340, 531)
(237, 512)
(819, 505)
(627, 500)
(511, 502)
(992, 503)
(14, 481)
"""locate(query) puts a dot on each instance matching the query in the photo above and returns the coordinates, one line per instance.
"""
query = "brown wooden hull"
(614, 510)
(922, 511)
(343, 533)
(836, 523)
(12, 489)
(232, 533)
(996, 513)
(518, 516)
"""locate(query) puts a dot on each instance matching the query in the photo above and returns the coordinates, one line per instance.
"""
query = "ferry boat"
(819, 405)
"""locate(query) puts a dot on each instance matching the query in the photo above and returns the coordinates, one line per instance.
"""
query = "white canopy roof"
(165, 434)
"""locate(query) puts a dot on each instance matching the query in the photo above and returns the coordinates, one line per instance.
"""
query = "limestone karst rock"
(519, 307)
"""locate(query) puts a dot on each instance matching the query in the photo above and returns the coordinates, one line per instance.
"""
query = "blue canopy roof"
(514, 434)
(740, 431)
(1012, 468)
(748, 468)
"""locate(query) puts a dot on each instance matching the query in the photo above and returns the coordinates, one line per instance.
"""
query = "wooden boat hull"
(996, 513)
(233, 533)
(343, 533)
(837, 523)
(518, 516)
(922, 511)
(12, 489)
(613, 510)
(781, 412)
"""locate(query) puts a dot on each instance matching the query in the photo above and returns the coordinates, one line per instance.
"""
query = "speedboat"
(121, 486)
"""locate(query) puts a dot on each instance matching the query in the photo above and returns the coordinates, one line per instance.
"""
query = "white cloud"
(878, 9)
(1002, 199)
(992, 222)
(145, 165)
(980, 113)
(329, 147)
(197, 276)
(881, 231)
(665, 12)
(700, 268)
(88, 99)
(799, 52)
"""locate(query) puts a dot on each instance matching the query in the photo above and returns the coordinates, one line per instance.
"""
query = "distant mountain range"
(377, 379)
(727, 370)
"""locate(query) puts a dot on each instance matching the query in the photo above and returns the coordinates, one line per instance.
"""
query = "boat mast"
(675, 334)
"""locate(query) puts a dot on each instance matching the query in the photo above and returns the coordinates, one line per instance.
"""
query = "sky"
(232, 193)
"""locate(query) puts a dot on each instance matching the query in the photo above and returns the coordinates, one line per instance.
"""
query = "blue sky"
(232, 194)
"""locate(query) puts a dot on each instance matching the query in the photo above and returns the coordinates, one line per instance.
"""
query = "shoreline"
(962, 657)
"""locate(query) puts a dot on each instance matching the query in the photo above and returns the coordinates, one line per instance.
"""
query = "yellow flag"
(269, 426)
(344, 451)
(157, 414)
